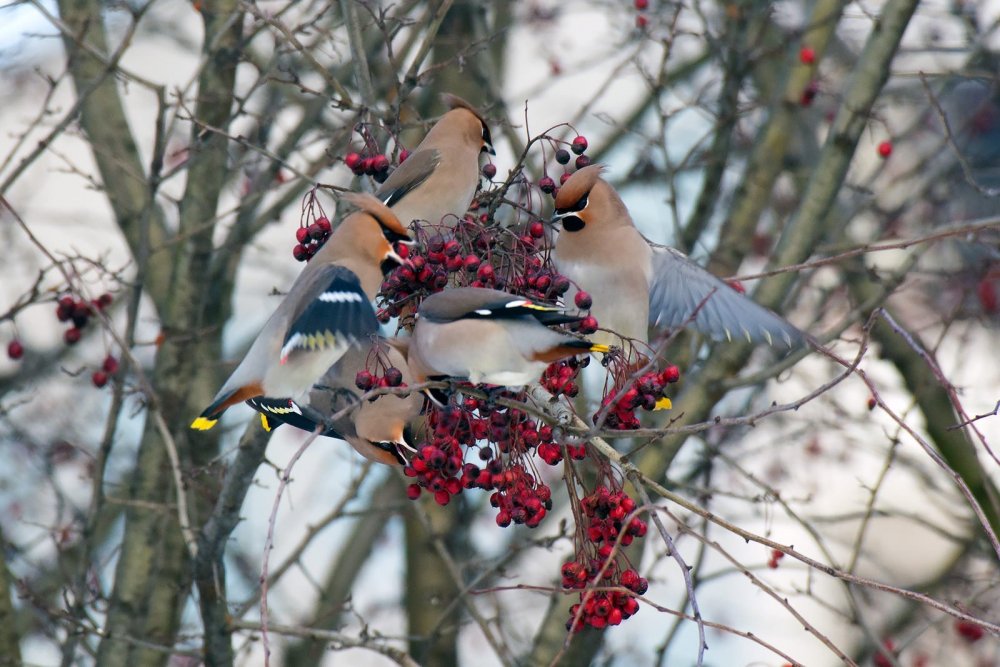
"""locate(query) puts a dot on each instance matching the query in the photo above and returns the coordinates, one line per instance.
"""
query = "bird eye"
(580, 204)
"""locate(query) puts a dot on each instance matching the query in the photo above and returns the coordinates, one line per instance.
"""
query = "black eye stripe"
(486, 135)
(580, 204)
(571, 223)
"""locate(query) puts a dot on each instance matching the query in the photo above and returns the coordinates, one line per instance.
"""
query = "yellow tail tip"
(663, 404)
(203, 423)
(597, 347)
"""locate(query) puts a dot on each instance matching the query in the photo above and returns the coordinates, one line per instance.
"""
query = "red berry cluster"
(311, 238)
(776, 556)
(519, 497)
(78, 312)
(644, 393)
(605, 512)
(477, 255)
(504, 438)
(578, 146)
(552, 453)
(560, 378)
(376, 166)
(390, 377)
(108, 368)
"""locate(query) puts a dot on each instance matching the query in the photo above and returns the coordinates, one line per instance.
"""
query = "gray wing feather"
(414, 171)
(682, 292)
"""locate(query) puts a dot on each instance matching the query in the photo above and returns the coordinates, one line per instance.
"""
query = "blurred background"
(840, 157)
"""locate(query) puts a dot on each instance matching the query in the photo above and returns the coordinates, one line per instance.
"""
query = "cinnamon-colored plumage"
(327, 311)
(436, 183)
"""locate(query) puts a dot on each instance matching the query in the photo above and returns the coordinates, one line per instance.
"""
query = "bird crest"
(371, 205)
(577, 185)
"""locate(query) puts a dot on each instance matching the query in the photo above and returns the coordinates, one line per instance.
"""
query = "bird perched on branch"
(376, 427)
(488, 336)
(327, 311)
(438, 180)
(634, 284)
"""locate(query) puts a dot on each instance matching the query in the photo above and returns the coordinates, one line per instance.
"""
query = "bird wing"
(681, 291)
(277, 411)
(408, 175)
(333, 311)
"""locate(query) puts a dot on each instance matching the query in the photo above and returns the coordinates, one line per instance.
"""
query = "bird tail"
(597, 347)
(210, 415)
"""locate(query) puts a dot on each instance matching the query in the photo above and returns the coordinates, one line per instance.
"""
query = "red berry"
(300, 253)
(471, 263)
(110, 365)
(104, 301)
(353, 161)
(987, 293)
(324, 223)
(485, 273)
(641, 21)
(413, 491)
(969, 631)
(393, 376)
(546, 185)
(364, 380)
(737, 285)
(315, 231)
(641, 4)
(588, 325)
(807, 55)
(562, 156)
(452, 248)
(403, 154)
(72, 336)
(302, 234)
(583, 300)
(885, 149)
(872, 403)
(564, 177)
(99, 378)
(380, 163)
(489, 170)
(671, 374)
(579, 145)
(582, 161)
(536, 229)
(15, 350)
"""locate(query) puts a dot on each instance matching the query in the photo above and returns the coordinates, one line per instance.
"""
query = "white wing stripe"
(340, 297)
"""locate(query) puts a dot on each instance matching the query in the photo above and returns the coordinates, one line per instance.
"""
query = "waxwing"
(634, 283)
(437, 182)
(488, 336)
(376, 428)
(327, 311)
